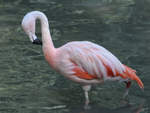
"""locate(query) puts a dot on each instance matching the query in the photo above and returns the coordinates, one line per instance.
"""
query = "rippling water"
(29, 85)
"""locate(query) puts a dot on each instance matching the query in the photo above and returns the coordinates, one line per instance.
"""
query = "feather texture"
(89, 61)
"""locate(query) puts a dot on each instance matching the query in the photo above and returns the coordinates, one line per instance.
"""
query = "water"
(29, 85)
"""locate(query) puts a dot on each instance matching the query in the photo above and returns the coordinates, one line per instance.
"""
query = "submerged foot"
(87, 107)
(126, 93)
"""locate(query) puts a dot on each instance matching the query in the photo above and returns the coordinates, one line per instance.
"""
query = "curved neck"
(48, 47)
(46, 37)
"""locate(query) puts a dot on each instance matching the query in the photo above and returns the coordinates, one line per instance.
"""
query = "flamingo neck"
(46, 37)
(48, 46)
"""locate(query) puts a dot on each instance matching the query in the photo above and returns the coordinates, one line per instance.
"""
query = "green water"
(29, 85)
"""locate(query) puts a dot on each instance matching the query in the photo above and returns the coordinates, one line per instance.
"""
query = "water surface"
(29, 85)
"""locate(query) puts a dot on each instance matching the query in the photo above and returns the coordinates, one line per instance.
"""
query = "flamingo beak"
(37, 41)
(33, 38)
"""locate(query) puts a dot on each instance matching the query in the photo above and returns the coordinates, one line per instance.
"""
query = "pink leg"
(126, 93)
(86, 88)
(128, 84)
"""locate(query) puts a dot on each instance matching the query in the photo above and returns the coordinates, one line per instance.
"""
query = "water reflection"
(122, 26)
(124, 109)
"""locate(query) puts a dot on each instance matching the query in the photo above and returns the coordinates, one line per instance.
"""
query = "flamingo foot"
(87, 107)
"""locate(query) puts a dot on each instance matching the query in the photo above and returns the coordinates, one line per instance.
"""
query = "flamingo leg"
(86, 88)
(128, 84)
(126, 93)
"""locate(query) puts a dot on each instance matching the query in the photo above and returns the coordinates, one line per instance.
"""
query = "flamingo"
(83, 62)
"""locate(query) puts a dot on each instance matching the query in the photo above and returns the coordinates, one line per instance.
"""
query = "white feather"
(90, 58)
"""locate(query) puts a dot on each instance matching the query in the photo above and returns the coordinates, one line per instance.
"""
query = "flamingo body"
(81, 61)
(87, 61)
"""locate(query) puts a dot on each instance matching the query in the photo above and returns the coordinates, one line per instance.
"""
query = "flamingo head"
(28, 25)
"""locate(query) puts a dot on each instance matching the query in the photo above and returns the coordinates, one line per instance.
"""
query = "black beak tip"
(37, 42)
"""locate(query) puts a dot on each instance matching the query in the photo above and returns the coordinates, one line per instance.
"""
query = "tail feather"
(131, 74)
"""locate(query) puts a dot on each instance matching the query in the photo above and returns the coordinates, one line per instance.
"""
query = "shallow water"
(29, 85)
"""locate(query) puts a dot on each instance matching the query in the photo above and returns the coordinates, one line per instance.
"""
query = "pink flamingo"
(81, 61)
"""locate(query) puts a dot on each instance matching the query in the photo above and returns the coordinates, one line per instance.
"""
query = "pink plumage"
(81, 61)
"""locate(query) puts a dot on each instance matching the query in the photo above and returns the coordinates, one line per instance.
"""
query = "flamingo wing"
(93, 61)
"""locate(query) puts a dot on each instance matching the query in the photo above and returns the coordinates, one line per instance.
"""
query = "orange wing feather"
(83, 75)
(131, 74)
